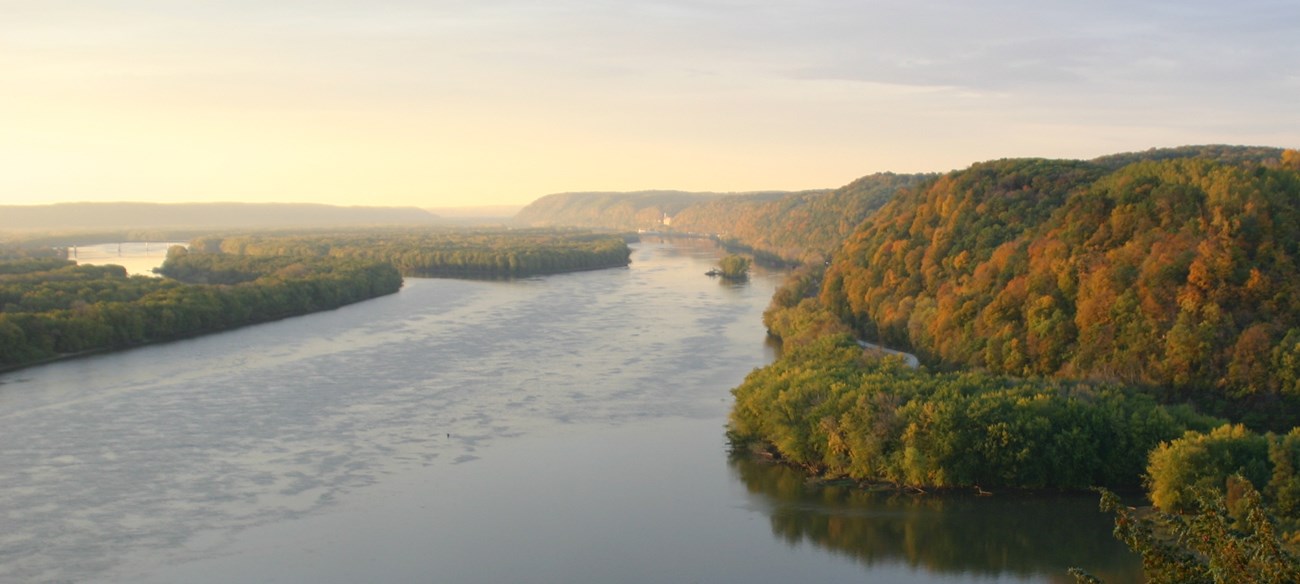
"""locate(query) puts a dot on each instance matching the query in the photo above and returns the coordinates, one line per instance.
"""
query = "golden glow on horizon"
(493, 103)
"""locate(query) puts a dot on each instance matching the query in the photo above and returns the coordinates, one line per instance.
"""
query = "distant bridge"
(119, 249)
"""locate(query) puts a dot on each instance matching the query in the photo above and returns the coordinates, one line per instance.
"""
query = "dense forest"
(830, 407)
(442, 252)
(1123, 321)
(50, 308)
(1127, 321)
(1175, 275)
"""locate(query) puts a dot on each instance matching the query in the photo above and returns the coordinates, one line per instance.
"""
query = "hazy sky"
(449, 102)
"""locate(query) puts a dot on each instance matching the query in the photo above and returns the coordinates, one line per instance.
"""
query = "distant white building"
(666, 221)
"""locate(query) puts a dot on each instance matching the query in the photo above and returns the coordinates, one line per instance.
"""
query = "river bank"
(559, 429)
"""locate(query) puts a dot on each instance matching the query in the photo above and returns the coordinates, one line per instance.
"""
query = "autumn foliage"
(1177, 275)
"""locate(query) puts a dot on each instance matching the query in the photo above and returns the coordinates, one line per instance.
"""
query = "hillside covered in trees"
(1178, 275)
(804, 225)
(799, 226)
(1080, 323)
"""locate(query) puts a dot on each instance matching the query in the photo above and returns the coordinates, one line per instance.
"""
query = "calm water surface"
(138, 257)
(559, 429)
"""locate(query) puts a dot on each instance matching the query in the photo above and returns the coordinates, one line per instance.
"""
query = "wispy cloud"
(825, 89)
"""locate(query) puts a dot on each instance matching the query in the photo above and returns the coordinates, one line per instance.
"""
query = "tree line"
(50, 307)
(837, 411)
(450, 253)
(52, 310)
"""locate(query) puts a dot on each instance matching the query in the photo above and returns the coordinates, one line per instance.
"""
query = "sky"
(445, 103)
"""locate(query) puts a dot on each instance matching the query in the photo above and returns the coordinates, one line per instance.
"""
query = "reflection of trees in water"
(1038, 537)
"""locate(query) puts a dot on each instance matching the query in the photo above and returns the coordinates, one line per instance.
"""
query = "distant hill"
(794, 225)
(501, 213)
(616, 210)
(785, 224)
(1174, 268)
(189, 216)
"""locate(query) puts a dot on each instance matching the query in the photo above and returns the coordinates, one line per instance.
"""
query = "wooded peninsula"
(1125, 321)
(51, 308)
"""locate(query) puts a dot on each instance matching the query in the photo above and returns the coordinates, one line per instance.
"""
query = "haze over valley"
(652, 291)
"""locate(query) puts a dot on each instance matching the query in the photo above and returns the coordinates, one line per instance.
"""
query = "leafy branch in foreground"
(1226, 540)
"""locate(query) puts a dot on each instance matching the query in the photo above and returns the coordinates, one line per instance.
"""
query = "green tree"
(1217, 542)
(734, 267)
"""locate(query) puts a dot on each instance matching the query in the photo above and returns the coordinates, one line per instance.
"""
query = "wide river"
(565, 429)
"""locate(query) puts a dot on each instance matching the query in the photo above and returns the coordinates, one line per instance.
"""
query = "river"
(138, 257)
(559, 429)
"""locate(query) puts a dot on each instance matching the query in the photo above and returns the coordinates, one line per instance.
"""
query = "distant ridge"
(479, 212)
(175, 216)
(789, 225)
(622, 210)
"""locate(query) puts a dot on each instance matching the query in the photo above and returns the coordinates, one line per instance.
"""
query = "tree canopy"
(51, 310)
(828, 406)
(1177, 275)
(442, 252)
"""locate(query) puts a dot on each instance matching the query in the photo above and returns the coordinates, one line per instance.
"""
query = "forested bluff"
(51, 308)
(795, 227)
(1127, 321)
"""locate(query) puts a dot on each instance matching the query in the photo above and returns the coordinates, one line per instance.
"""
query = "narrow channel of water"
(138, 257)
(558, 429)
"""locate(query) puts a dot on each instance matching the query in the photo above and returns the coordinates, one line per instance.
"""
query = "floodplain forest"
(51, 308)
